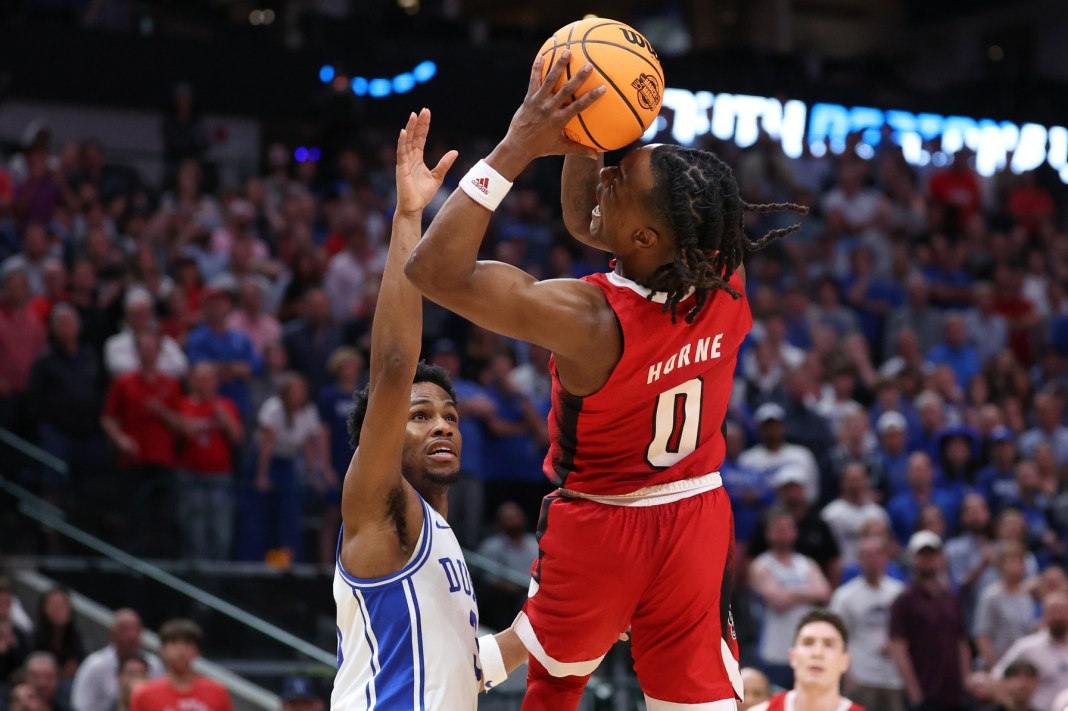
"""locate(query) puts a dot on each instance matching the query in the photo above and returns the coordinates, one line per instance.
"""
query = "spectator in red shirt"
(957, 191)
(180, 687)
(1030, 204)
(141, 418)
(54, 278)
(211, 428)
(1019, 313)
(22, 338)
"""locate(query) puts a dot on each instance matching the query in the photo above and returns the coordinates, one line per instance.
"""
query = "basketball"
(624, 61)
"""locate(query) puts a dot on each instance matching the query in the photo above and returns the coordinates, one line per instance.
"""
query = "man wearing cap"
(892, 430)
(299, 694)
(774, 451)
(814, 536)
(928, 642)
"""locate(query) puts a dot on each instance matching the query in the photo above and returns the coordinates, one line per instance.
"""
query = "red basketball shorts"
(662, 571)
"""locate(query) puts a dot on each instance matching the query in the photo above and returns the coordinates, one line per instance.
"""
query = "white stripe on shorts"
(656, 495)
(722, 705)
(525, 632)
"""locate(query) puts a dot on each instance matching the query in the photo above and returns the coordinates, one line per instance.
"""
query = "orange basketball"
(624, 61)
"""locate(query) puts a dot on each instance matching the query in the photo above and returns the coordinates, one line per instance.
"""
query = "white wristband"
(492, 661)
(485, 186)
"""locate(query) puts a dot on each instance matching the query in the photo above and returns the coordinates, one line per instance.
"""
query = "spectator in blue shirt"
(1058, 334)
(476, 409)
(889, 398)
(517, 441)
(873, 298)
(997, 480)
(955, 352)
(230, 350)
(893, 455)
(904, 509)
(750, 489)
(1036, 507)
(950, 284)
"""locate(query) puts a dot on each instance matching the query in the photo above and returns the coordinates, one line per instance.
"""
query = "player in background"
(819, 657)
(640, 532)
(406, 610)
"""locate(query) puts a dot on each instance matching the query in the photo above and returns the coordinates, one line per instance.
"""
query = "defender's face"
(622, 195)
(432, 440)
(818, 656)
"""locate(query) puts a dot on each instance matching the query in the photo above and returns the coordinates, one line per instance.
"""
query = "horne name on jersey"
(703, 349)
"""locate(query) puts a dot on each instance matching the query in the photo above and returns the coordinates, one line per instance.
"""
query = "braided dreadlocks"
(696, 196)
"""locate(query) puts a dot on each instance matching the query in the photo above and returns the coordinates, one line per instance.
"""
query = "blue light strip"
(380, 87)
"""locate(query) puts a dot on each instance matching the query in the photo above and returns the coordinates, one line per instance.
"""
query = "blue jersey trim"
(422, 554)
(419, 638)
(371, 647)
(340, 655)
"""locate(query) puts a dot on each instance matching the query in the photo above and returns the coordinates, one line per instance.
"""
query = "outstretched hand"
(538, 125)
(417, 184)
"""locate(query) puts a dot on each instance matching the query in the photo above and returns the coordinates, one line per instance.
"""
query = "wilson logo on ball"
(648, 91)
(636, 39)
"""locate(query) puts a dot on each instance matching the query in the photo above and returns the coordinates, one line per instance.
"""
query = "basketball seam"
(654, 66)
(551, 59)
(657, 70)
(582, 121)
(623, 96)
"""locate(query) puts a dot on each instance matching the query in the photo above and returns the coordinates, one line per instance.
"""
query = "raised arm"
(578, 194)
(396, 335)
(566, 316)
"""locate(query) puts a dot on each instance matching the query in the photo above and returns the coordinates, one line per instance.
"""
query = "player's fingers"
(421, 129)
(404, 146)
(578, 79)
(554, 73)
(585, 101)
(535, 75)
(444, 164)
(569, 147)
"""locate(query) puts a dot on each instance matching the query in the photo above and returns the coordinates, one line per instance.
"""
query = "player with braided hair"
(639, 534)
(697, 198)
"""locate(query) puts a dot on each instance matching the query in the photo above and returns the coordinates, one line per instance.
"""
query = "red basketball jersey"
(785, 702)
(659, 417)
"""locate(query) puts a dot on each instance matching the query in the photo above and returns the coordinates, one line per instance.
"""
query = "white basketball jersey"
(408, 641)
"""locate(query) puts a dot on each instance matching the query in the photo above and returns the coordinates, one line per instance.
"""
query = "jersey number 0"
(676, 424)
